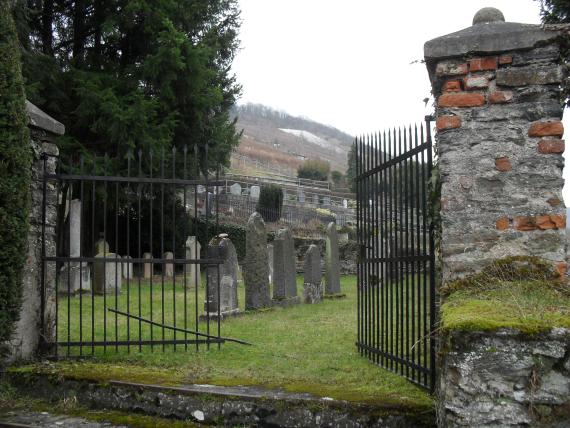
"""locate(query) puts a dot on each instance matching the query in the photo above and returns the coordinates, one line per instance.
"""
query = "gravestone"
(332, 271)
(127, 267)
(221, 247)
(74, 276)
(270, 261)
(148, 266)
(301, 196)
(284, 269)
(315, 199)
(344, 203)
(193, 248)
(256, 271)
(168, 266)
(235, 189)
(313, 292)
(107, 276)
(326, 201)
(254, 192)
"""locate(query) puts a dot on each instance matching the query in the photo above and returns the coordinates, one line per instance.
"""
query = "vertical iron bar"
(173, 243)
(139, 232)
(424, 253)
(195, 231)
(104, 270)
(151, 224)
(118, 275)
(216, 193)
(129, 156)
(185, 237)
(407, 142)
(359, 244)
(207, 205)
(161, 243)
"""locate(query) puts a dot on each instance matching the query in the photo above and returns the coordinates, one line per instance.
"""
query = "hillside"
(278, 142)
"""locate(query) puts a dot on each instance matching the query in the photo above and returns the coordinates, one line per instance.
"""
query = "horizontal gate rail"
(396, 265)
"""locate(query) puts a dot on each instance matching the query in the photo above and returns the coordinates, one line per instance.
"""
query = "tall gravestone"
(225, 294)
(74, 276)
(313, 290)
(256, 270)
(193, 248)
(168, 268)
(107, 274)
(332, 270)
(148, 268)
(284, 269)
(270, 261)
(127, 267)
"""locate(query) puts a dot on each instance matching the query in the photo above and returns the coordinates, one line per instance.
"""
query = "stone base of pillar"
(287, 301)
(214, 315)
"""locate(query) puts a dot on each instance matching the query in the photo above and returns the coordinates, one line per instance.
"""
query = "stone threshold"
(220, 405)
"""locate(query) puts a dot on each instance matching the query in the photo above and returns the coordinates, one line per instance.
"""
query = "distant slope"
(290, 138)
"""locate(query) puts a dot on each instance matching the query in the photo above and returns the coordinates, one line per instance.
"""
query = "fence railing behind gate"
(396, 269)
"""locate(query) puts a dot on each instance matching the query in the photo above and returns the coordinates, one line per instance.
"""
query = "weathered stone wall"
(498, 110)
(505, 379)
(26, 339)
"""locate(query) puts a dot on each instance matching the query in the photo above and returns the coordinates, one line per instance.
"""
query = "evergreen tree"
(555, 11)
(15, 173)
(144, 74)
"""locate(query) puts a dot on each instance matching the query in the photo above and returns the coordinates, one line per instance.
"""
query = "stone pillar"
(221, 247)
(193, 249)
(332, 268)
(25, 341)
(499, 105)
(256, 271)
(498, 116)
(107, 276)
(313, 290)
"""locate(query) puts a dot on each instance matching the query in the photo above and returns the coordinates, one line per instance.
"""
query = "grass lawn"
(305, 348)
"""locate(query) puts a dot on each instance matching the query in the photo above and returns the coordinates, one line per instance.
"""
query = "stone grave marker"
(168, 266)
(284, 273)
(148, 266)
(107, 276)
(256, 270)
(193, 248)
(127, 267)
(313, 292)
(235, 189)
(332, 270)
(254, 192)
(221, 247)
(270, 261)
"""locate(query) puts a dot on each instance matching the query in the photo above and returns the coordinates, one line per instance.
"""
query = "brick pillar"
(499, 105)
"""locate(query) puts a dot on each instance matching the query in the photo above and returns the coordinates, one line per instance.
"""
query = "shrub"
(15, 174)
(270, 202)
(314, 169)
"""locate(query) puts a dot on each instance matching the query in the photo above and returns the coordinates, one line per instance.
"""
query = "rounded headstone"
(488, 14)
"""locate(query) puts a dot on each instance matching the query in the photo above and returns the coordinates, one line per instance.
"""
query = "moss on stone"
(521, 292)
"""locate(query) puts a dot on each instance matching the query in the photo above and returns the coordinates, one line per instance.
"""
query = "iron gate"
(396, 268)
(151, 296)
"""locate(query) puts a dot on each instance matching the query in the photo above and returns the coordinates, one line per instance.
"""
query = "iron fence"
(396, 268)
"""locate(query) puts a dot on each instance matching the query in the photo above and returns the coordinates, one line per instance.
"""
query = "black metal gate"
(396, 269)
(96, 301)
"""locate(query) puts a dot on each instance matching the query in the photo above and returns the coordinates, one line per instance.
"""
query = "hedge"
(15, 174)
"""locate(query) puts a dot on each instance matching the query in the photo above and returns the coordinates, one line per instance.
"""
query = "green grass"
(305, 348)
(528, 306)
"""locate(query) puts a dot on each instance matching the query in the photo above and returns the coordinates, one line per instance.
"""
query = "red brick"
(447, 122)
(500, 97)
(559, 221)
(544, 222)
(505, 59)
(554, 202)
(502, 223)
(476, 82)
(546, 129)
(547, 147)
(503, 164)
(482, 64)
(524, 224)
(452, 86)
(461, 99)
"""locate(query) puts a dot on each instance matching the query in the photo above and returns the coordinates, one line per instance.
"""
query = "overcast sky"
(352, 64)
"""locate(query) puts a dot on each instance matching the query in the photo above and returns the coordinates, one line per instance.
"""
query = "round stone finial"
(488, 14)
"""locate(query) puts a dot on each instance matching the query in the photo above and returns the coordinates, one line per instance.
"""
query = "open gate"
(396, 268)
(122, 272)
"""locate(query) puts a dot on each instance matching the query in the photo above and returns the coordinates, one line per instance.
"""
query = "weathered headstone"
(345, 203)
(193, 249)
(256, 271)
(168, 268)
(107, 274)
(315, 199)
(326, 201)
(313, 291)
(221, 247)
(284, 269)
(74, 276)
(270, 261)
(127, 267)
(332, 271)
(254, 192)
(301, 196)
(148, 266)
(235, 189)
